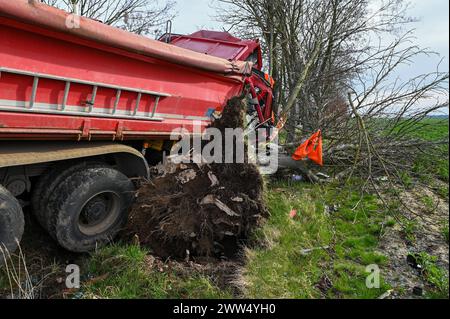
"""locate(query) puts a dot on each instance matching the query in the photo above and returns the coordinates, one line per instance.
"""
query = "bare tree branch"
(137, 16)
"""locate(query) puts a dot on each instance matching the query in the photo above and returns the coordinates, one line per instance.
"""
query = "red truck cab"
(224, 45)
(220, 44)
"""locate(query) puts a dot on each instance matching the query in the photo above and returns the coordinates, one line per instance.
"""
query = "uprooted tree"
(137, 16)
(201, 209)
(337, 69)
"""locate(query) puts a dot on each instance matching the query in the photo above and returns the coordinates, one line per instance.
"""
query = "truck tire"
(11, 222)
(89, 208)
(47, 184)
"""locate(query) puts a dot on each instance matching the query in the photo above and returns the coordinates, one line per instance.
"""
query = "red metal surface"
(220, 44)
(33, 38)
(36, 13)
(224, 45)
(264, 97)
(31, 48)
(41, 126)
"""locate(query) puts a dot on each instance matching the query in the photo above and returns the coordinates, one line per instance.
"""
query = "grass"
(433, 165)
(340, 226)
(430, 168)
(442, 191)
(444, 231)
(15, 276)
(323, 252)
(5, 286)
(428, 203)
(124, 272)
(434, 276)
(409, 229)
(278, 269)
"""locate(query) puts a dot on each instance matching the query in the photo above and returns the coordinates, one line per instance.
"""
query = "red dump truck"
(86, 108)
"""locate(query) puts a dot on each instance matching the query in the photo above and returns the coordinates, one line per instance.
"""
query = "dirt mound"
(200, 209)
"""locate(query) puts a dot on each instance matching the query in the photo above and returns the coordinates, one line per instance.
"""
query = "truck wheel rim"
(99, 213)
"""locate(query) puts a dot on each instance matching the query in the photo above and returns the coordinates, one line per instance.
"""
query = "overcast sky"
(194, 15)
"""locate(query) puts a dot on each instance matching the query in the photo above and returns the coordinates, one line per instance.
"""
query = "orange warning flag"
(312, 149)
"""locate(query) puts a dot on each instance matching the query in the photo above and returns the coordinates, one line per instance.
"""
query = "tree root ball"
(200, 209)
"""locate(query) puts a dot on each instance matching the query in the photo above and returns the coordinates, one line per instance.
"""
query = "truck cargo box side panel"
(186, 94)
(34, 12)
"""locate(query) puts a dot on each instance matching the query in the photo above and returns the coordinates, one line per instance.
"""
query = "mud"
(200, 209)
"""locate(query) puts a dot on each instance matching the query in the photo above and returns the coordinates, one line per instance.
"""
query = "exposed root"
(201, 210)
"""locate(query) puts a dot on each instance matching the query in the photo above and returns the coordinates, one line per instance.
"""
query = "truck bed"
(58, 85)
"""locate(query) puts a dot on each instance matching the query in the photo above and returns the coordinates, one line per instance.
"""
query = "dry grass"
(15, 267)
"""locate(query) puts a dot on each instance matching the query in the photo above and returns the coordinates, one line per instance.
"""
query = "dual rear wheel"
(83, 206)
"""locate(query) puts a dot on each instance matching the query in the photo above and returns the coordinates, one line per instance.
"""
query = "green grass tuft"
(444, 231)
(434, 275)
(126, 274)
(281, 270)
(430, 166)
(409, 229)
